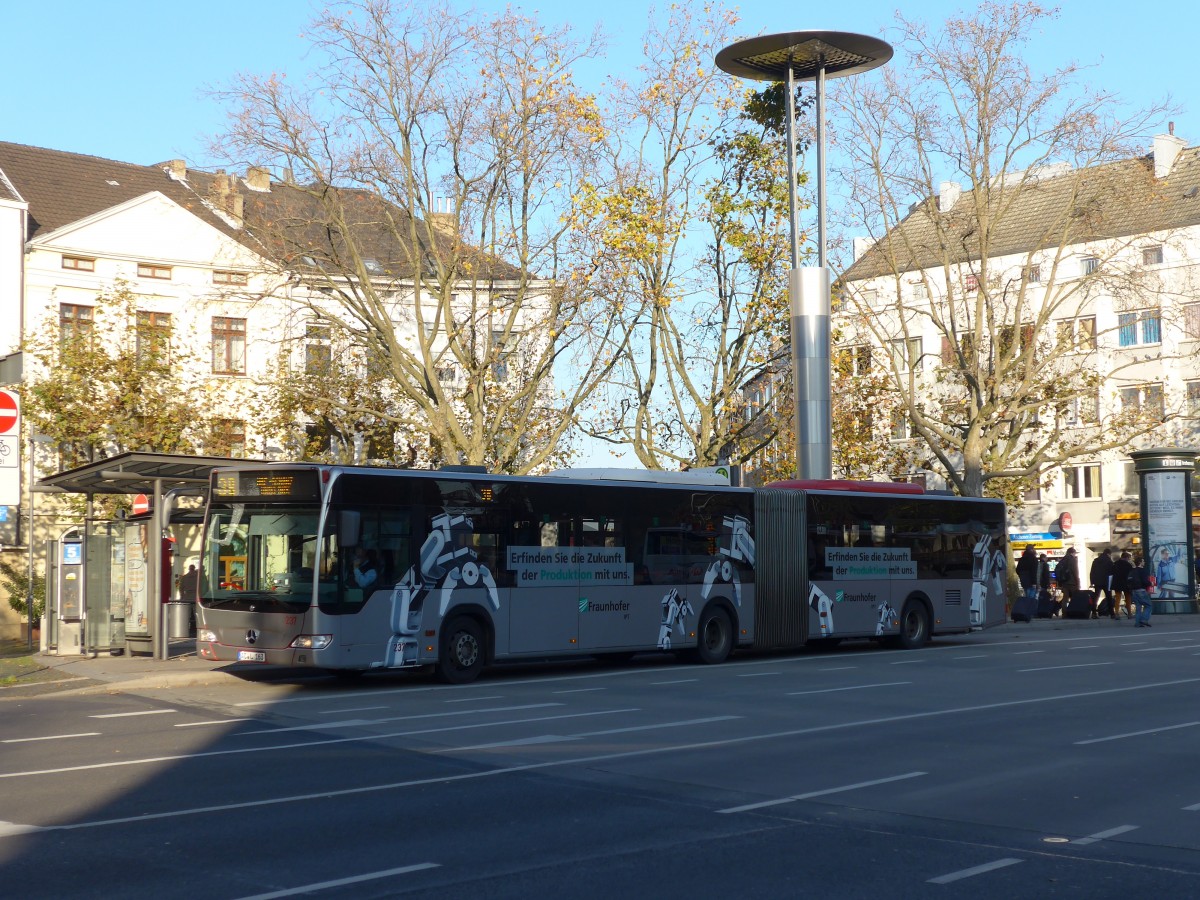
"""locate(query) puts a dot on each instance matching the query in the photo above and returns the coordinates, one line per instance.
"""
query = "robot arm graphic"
(740, 549)
(674, 608)
(820, 602)
(887, 613)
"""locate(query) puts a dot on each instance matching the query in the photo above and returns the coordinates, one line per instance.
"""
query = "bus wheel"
(714, 636)
(914, 626)
(461, 657)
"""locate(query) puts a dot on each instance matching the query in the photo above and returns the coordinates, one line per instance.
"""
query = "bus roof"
(833, 484)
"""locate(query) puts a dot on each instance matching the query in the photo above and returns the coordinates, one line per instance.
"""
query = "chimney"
(177, 170)
(948, 194)
(1166, 149)
(225, 196)
(443, 222)
(861, 246)
(258, 179)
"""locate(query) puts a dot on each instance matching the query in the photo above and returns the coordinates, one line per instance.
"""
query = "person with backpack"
(1122, 566)
(1139, 583)
(1066, 573)
(1101, 576)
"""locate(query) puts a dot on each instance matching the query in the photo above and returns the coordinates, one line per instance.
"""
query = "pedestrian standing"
(1027, 572)
(1100, 577)
(1139, 583)
(1066, 573)
(1122, 566)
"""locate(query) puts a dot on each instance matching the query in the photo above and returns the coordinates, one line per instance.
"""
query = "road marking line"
(756, 674)
(1084, 647)
(1075, 666)
(144, 712)
(561, 738)
(460, 700)
(976, 656)
(975, 870)
(848, 668)
(342, 712)
(10, 829)
(1101, 835)
(580, 690)
(359, 722)
(1164, 649)
(909, 662)
(1193, 808)
(50, 737)
(342, 882)
(811, 794)
(1027, 652)
(211, 722)
(325, 743)
(1117, 737)
(546, 764)
(677, 681)
(856, 687)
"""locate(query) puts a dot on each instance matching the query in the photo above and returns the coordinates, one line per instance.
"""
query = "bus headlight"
(311, 642)
(208, 637)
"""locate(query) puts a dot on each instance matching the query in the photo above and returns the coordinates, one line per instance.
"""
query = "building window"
(240, 279)
(1081, 482)
(1090, 265)
(153, 336)
(74, 322)
(150, 270)
(504, 356)
(1193, 399)
(1132, 489)
(1137, 328)
(1152, 256)
(906, 353)
(1076, 334)
(79, 263)
(1081, 410)
(901, 426)
(920, 291)
(318, 348)
(228, 346)
(1033, 493)
(1144, 398)
(1191, 321)
(1032, 274)
(227, 438)
(971, 283)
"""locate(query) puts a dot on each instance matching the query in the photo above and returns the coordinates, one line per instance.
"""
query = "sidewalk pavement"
(184, 668)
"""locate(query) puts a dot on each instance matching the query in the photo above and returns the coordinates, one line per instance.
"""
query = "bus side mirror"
(349, 527)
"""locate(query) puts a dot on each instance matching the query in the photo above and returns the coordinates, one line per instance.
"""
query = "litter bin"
(179, 620)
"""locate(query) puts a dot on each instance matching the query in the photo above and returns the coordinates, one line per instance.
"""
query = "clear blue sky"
(126, 80)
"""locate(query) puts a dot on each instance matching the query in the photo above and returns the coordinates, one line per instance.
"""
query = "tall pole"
(29, 540)
(807, 55)
(790, 131)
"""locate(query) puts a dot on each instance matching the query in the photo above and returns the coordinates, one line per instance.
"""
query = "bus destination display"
(266, 484)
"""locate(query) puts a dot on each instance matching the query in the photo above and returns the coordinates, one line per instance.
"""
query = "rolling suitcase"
(1046, 607)
(1080, 605)
(1024, 609)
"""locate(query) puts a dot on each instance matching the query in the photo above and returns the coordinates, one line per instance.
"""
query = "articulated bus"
(358, 569)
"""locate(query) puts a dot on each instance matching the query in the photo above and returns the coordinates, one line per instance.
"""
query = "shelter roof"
(136, 473)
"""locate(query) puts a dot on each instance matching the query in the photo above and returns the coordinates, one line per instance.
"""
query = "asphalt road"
(1004, 764)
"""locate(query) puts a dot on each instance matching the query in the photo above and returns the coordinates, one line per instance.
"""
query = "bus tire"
(914, 626)
(714, 636)
(461, 655)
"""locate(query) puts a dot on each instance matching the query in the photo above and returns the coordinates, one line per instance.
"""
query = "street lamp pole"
(807, 56)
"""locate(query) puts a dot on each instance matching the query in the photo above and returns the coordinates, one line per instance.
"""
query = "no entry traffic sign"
(10, 413)
(141, 505)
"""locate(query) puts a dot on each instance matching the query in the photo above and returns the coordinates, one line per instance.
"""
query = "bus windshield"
(256, 554)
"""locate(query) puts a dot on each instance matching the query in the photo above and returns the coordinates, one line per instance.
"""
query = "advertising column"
(1166, 478)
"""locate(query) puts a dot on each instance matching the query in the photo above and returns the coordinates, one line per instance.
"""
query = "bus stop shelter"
(117, 571)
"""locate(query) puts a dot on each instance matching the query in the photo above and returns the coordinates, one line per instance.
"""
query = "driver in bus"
(365, 570)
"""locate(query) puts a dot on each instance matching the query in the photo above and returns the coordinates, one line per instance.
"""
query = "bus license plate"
(251, 656)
